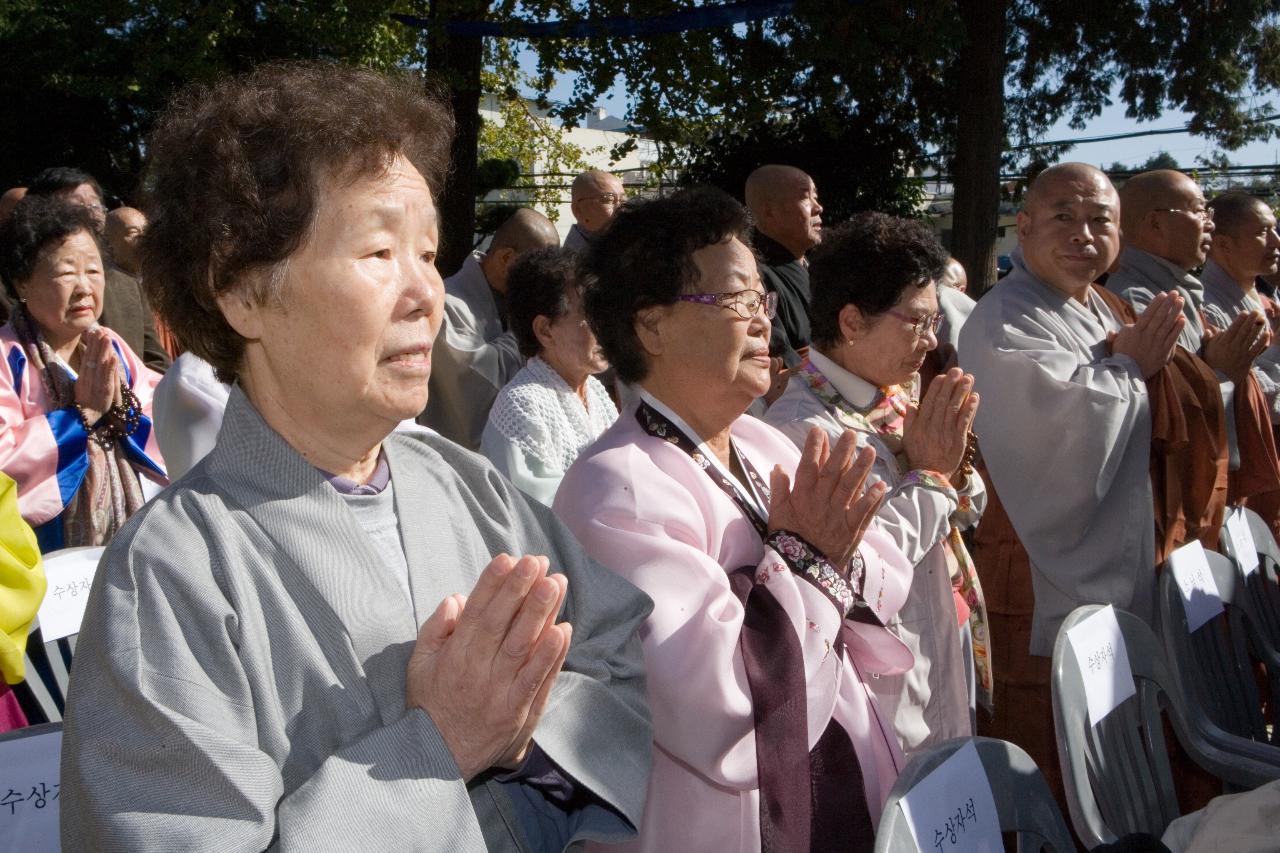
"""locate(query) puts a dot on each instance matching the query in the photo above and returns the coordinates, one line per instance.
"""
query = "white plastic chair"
(1023, 800)
(1116, 773)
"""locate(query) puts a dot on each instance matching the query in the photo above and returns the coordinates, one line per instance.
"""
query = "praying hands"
(827, 506)
(936, 432)
(483, 665)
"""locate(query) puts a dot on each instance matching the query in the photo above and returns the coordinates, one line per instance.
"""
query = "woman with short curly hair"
(875, 318)
(319, 638)
(75, 401)
(770, 593)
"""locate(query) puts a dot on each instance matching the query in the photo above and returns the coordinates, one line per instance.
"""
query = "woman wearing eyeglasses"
(554, 407)
(874, 318)
(770, 592)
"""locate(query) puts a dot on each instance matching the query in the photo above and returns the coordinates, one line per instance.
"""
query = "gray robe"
(1140, 276)
(240, 675)
(1223, 302)
(1065, 431)
(471, 360)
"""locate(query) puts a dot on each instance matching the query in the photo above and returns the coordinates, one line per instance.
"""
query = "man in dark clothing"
(124, 305)
(784, 204)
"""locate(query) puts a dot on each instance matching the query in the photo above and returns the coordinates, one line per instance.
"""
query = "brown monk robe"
(1189, 495)
(1256, 483)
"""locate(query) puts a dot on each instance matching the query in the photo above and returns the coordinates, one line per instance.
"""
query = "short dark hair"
(644, 258)
(234, 171)
(539, 284)
(868, 262)
(36, 223)
(1232, 209)
(58, 178)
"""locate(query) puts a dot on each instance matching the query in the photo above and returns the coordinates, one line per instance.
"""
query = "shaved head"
(1064, 179)
(772, 182)
(1158, 190)
(596, 198)
(784, 204)
(955, 276)
(1234, 211)
(1164, 214)
(524, 231)
(10, 200)
(125, 227)
(594, 182)
(1068, 228)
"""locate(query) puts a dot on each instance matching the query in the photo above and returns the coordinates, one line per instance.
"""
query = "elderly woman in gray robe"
(329, 637)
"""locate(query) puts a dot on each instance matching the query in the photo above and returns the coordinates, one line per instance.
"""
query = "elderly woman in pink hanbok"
(75, 401)
(770, 592)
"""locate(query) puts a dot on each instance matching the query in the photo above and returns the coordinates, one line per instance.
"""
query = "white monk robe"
(1223, 302)
(539, 425)
(472, 358)
(930, 703)
(239, 682)
(1065, 432)
(187, 411)
(643, 507)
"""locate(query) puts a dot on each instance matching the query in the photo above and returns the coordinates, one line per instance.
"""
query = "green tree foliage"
(1159, 160)
(858, 165)
(962, 78)
(524, 138)
(83, 81)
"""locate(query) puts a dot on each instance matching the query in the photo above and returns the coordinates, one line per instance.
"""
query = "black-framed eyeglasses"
(1204, 214)
(745, 303)
(919, 325)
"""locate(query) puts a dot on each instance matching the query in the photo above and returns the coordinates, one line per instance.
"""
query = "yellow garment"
(22, 583)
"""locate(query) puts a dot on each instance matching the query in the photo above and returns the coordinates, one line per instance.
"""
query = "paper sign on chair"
(1200, 597)
(70, 575)
(1104, 662)
(952, 810)
(1242, 541)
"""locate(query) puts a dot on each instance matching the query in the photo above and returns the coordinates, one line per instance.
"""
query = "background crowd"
(685, 535)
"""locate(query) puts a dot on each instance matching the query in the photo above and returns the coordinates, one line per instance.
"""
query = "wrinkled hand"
(483, 666)
(1151, 338)
(1234, 349)
(98, 382)
(935, 434)
(827, 506)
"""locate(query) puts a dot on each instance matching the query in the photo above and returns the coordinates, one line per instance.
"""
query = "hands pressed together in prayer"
(98, 382)
(1234, 349)
(1150, 339)
(936, 433)
(828, 505)
(483, 665)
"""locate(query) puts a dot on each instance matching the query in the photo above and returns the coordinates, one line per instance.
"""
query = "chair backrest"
(70, 574)
(1116, 773)
(29, 786)
(43, 694)
(1261, 574)
(1023, 800)
(1211, 666)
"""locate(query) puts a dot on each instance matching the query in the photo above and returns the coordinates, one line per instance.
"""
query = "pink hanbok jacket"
(643, 508)
(46, 452)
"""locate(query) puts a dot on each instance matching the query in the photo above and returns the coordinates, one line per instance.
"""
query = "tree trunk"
(455, 62)
(979, 136)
